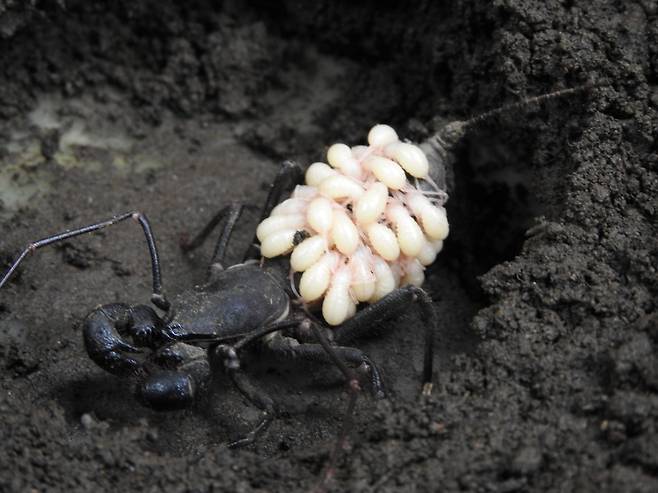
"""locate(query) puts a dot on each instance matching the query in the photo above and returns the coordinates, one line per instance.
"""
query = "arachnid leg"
(157, 298)
(289, 175)
(230, 215)
(227, 356)
(393, 304)
(257, 397)
(290, 348)
(353, 388)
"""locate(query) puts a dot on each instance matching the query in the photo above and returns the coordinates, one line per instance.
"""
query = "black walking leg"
(157, 298)
(354, 388)
(230, 215)
(289, 175)
(395, 303)
(287, 347)
(257, 397)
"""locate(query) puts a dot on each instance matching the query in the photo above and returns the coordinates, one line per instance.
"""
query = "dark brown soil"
(547, 287)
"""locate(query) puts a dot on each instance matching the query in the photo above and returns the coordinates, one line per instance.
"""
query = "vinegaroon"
(170, 352)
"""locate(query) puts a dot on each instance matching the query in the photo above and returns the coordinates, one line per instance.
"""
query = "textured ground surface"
(547, 288)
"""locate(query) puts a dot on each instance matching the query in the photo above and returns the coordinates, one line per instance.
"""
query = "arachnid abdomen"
(237, 300)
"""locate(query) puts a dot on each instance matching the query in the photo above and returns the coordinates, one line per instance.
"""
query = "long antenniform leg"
(157, 298)
(446, 138)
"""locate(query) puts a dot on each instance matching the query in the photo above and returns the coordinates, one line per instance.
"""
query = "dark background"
(546, 289)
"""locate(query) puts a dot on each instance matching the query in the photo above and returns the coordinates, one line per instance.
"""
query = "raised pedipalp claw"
(104, 343)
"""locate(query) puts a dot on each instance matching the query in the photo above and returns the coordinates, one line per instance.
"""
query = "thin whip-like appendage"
(447, 137)
(535, 100)
(157, 298)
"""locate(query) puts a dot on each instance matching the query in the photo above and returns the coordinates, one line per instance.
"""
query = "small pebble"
(87, 421)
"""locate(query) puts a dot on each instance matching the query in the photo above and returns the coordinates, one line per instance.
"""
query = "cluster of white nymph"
(370, 228)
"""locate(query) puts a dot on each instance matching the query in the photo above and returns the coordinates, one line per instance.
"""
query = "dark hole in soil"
(492, 205)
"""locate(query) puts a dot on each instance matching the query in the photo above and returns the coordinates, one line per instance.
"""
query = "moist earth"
(546, 290)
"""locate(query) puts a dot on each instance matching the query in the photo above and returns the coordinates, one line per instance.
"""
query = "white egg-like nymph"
(344, 234)
(307, 253)
(435, 222)
(289, 206)
(316, 278)
(317, 173)
(339, 187)
(382, 135)
(388, 172)
(372, 204)
(338, 304)
(278, 243)
(320, 215)
(409, 234)
(410, 157)
(430, 250)
(385, 280)
(433, 219)
(363, 277)
(413, 273)
(383, 240)
(276, 223)
(340, 157)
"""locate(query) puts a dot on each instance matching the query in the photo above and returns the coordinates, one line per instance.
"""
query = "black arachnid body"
(206, 328)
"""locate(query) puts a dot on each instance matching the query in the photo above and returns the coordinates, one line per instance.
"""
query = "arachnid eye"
(142, 336)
